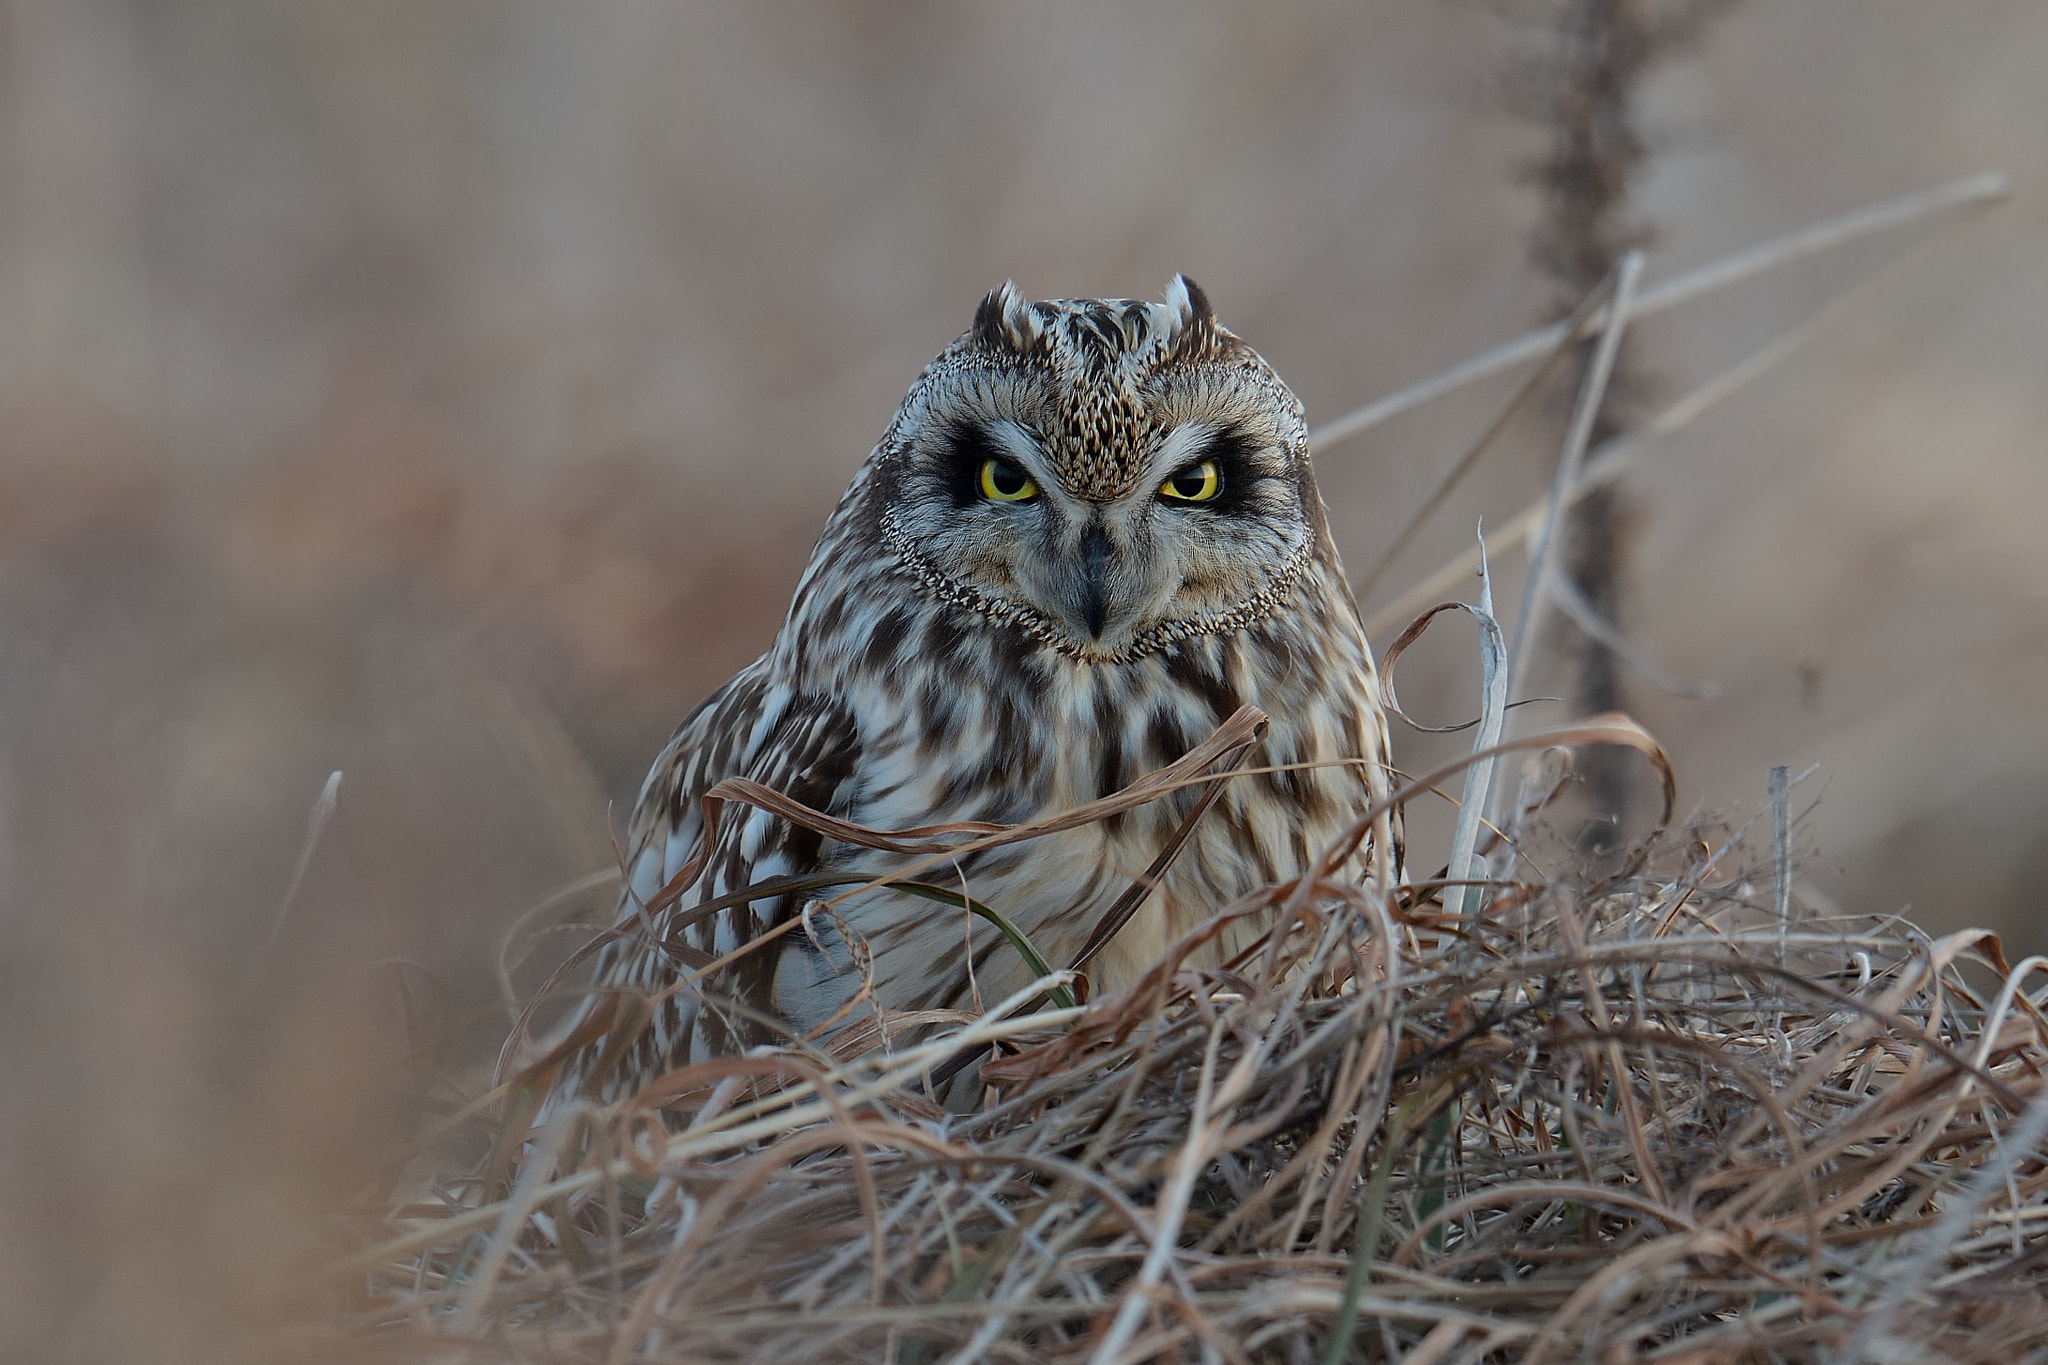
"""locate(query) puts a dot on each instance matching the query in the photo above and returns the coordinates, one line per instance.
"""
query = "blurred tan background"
(448, 393)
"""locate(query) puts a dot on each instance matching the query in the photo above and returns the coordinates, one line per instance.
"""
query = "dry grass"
(1644, 1117)
(1669, 1110)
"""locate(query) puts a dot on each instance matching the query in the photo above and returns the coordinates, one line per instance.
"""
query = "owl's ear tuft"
(1192, 332)
(1190, 305)
(1006, 321)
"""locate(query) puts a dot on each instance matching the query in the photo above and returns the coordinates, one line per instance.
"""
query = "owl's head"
(1106, 474)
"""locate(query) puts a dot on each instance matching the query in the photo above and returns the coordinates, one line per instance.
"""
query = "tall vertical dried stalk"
(1604, 52)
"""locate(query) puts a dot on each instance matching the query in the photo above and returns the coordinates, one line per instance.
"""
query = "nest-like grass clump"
(1673, 1114)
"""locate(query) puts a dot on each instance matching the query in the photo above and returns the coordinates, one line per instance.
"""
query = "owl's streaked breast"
(1098, 729)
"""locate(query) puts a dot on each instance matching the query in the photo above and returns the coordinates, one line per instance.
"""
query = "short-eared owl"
(1089, 535)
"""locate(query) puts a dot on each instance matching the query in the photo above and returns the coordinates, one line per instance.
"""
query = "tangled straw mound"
(1646, 1118)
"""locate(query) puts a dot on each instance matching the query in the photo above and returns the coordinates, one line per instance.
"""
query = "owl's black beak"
(1094, 567)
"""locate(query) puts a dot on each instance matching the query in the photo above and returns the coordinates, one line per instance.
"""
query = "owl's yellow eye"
(1199, 483)
(1002, 481)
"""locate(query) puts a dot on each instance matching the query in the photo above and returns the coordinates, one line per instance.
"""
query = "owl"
(1089, 535)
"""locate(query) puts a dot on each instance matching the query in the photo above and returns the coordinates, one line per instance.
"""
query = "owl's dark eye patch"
(1235, 455)
(968, 448)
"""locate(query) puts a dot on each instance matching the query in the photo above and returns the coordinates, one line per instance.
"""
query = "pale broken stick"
(1969, 192)
(1618, 456)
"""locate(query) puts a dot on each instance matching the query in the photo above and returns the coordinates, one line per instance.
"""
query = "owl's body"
(1089, 536)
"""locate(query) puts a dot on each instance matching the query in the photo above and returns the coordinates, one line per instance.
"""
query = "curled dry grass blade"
(939, 845)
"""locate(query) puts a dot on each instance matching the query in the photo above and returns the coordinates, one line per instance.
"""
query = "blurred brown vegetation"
(447, 394)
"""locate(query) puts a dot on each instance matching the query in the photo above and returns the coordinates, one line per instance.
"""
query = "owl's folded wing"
(802, 744)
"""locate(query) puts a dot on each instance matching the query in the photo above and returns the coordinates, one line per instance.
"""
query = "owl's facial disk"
(1211, 508)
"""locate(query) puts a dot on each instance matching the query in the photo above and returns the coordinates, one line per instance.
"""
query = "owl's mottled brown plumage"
(1031, 594)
